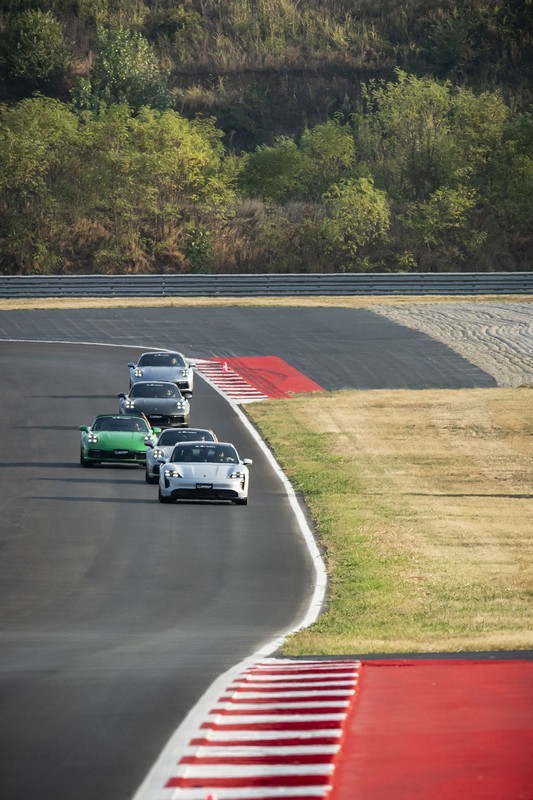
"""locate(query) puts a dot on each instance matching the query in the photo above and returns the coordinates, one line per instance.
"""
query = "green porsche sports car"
(116, 439)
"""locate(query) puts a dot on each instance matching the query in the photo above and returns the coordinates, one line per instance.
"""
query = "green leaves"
(36, 50)
(126, 70)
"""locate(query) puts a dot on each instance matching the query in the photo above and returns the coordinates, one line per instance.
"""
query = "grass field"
(423, 504)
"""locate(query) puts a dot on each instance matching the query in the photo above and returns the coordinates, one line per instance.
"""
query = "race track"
(116, 613)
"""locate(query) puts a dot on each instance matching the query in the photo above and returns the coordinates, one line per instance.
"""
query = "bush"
(36, 51)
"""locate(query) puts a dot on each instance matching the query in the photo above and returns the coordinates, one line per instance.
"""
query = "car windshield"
(122, 423)
(154, 390)
(161, 360)
(172, 436)
(200, 453)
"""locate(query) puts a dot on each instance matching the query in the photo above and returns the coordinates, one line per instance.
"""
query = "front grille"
(162, 421)
(204, 494)
(109, 455)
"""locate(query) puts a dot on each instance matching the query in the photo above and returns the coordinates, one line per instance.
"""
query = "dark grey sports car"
(161, 402)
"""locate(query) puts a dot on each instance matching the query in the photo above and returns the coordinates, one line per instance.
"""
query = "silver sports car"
(161, 451)
(161, 402)
(164, 366)
(204, 471)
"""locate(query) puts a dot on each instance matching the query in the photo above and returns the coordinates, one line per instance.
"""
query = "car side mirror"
(247, 461)
(186, 395)
(122, 395)
(157, 430)
(84, 428)
(131, 364)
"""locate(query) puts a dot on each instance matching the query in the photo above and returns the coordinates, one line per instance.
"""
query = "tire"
(243, 501)
(150, 478)
(163, 499)
(85, 462)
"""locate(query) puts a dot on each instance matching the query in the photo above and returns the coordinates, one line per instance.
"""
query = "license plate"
(121, 452)
(204, 485)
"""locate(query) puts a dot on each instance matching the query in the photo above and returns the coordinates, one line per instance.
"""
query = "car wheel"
(149, 478)
(242, 501)
(163, 499)
(85, 462)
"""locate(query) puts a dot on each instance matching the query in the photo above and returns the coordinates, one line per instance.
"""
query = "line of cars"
(151, 429)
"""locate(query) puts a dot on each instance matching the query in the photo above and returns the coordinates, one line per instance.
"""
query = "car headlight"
(130, 404)
(172, 473)
(180, 405)
(92, 438)
(138, 373)
(237, 475)
(158, 453)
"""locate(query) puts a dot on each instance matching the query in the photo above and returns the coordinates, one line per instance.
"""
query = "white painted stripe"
(250, 719)
(215, 735)
(294, 683)
(237, 751)
(210, 771)
(244, 793)
(289, 704)
(289, 693)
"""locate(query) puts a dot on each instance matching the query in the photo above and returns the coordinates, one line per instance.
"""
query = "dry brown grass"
(423, 501)
(352, 301)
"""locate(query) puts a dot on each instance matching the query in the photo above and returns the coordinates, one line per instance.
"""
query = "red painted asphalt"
(311, 729)
(439, 730)
(271, 375)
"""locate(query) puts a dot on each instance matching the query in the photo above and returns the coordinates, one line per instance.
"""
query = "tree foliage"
(126, 70)
(36, 51)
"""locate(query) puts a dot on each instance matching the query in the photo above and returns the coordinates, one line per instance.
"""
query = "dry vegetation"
(423, 503)
(352, 301)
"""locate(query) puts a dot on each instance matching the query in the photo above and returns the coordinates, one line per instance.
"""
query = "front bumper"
(165, 421)
(186, 490)
(116, 456)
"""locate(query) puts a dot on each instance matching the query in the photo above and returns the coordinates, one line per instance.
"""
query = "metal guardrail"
(266, 285)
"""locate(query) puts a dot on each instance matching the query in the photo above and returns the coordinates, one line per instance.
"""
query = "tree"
(358, 215)
(405, 136)
(442, 230)
(36, 50)
(126, 71)
(37, 150)
(289, 171)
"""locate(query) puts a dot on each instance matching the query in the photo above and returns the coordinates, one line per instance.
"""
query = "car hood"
(121, 440)
(159, 374)
(157, 405)
(206, 472)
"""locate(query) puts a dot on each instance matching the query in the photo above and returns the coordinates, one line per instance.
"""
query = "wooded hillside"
(265, 136)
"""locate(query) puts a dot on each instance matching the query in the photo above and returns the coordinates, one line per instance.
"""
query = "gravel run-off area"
(496, 337)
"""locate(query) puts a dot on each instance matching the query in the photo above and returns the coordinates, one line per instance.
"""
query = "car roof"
(162, 353)
(121, 417)
(154, 383)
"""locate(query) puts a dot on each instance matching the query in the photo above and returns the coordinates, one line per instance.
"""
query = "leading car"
(164, 366)
(161, 402)
(157, 455)
(205, 471)
(115, 439)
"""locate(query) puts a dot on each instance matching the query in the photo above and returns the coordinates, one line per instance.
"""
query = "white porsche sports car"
(161, 451)
(204, 471)
(164, 366)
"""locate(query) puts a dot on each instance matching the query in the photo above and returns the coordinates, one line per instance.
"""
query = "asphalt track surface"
(117, 613)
